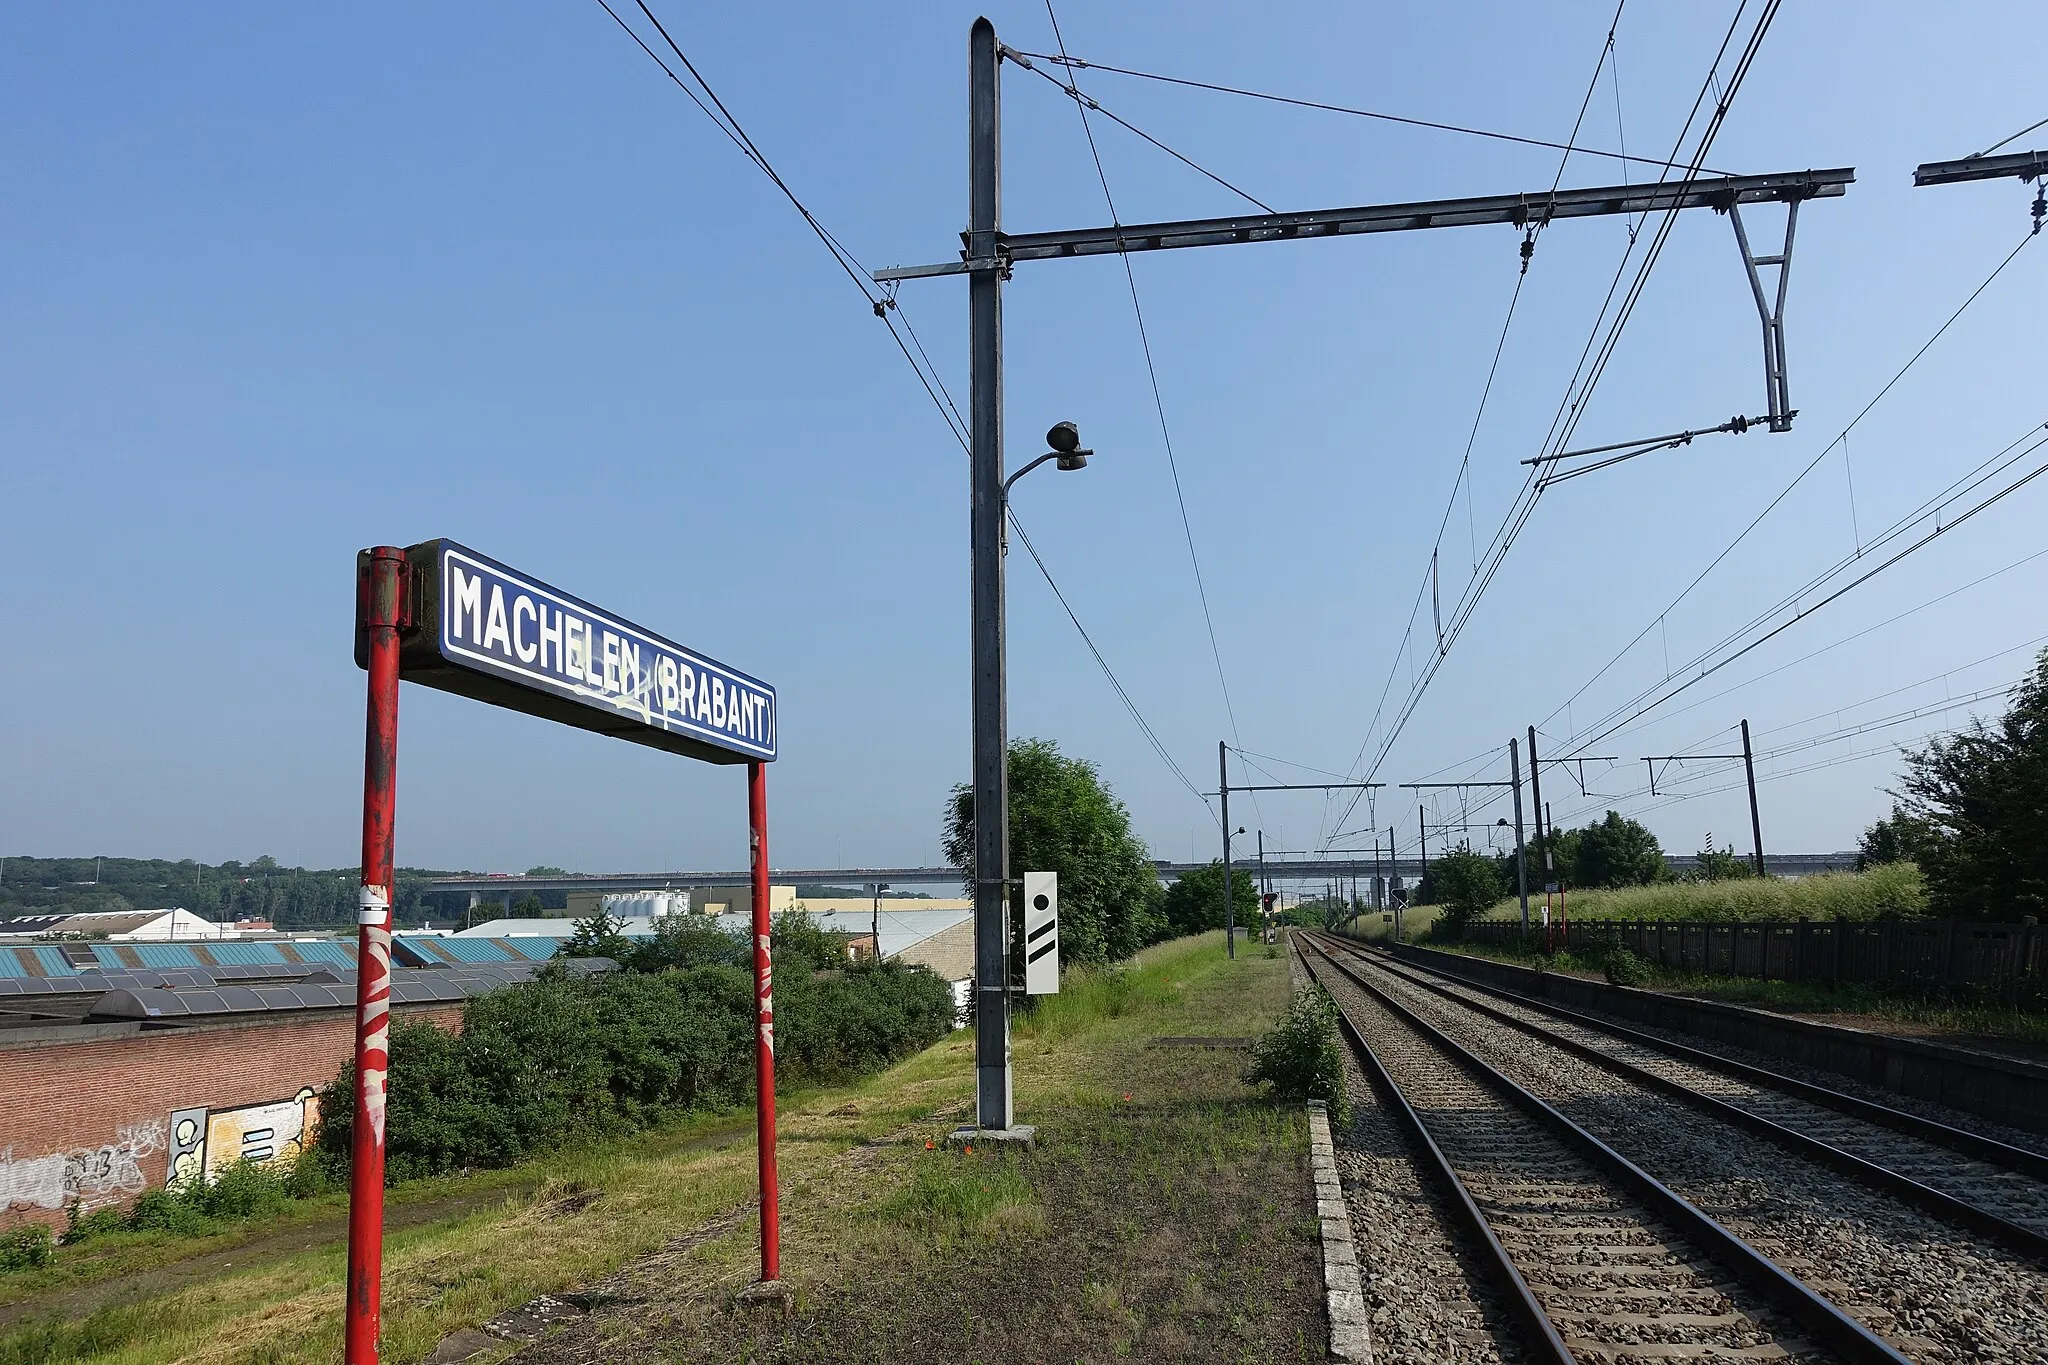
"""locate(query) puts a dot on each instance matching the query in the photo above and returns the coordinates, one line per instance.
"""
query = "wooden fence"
(2000, 960)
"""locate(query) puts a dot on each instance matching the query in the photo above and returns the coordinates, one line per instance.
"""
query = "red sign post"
(484, 631)
(381, 606)
(764, 1038)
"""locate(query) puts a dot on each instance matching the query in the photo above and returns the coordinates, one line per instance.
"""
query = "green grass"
(270, 1290)
(1892, 889)
(951, 1197)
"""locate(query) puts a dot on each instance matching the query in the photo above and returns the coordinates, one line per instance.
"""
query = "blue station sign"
(481, 629)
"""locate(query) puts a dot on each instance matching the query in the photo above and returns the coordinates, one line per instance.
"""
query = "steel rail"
(1829, 1324)
(2013, 1236)
(1960, 1140)
(1543, 1342)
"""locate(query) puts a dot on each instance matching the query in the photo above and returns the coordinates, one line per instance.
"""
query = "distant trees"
(1194, 903)
(1064, 819)
(1973, 811)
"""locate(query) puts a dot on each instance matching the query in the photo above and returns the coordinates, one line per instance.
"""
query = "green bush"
(28, 1247)
(167, 1211)
(1301, 1057)
(81, 1226)
(562, 1058)
(1624, 968)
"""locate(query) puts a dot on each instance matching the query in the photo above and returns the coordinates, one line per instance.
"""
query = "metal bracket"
(1777, 391)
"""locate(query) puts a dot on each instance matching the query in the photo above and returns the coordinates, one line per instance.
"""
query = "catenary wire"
(1802, 613)
(1975, 478)
(882, 305)
(2014, 138)
(1486, 391)
(1076, 63)
(1103, 664)
(1088, 102)
(1562, 428)
(1797, 479)
(1158, 403)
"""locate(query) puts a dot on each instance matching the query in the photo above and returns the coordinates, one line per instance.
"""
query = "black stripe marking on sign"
(1030, 937)
(1047, 947)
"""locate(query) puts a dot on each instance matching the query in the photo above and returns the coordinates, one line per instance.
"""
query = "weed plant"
(1301, 1057)
(25, 1248)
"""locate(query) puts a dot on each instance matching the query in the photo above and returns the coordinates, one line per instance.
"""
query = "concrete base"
(1024, 1135)
(765, 1294)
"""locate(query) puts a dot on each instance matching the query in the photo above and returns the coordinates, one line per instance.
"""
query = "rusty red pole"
(382, 584)
(764, 1040)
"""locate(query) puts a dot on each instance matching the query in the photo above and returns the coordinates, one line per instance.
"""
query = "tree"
(1564, 853)
(1981, 795)
(1465, 885)
(1063, 819)
(1194, 903)
(1712, 864)
(1617, 851)
(528, 906)
(1901, 837)
(597, 935)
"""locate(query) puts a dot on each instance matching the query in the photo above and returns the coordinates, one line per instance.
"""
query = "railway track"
(1604, 1228)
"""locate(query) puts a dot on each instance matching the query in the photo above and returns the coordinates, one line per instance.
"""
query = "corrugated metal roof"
(409, 986)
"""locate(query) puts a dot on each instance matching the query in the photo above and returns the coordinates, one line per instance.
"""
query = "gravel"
(1619, 1284)
(1937, 1293)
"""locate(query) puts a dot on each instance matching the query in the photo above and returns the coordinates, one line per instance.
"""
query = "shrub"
(1301, 1057)
(559, 1058)
(1624, 968)
(81, 1226)
(242, 1189)
(28, 1247)
(166, 1211)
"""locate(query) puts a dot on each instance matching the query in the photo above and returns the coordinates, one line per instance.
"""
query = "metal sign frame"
(412, 607)
(480, 629)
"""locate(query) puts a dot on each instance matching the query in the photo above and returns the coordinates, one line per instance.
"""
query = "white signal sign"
(1041, 933)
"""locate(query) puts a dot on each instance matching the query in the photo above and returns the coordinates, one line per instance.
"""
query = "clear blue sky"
(277, 282)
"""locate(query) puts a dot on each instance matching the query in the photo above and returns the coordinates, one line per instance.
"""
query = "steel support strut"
(1771, 312)
(992, 1103)
(764, 1033)
(382, 588)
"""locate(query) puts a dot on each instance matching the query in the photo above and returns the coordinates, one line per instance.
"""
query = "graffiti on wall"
(204, 1142)
(198, 1143)
(88, 1176)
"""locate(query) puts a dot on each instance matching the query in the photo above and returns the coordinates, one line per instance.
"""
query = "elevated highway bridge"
(1287, 872)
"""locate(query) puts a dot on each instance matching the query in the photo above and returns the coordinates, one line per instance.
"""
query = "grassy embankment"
(1892, 890)
(1167, 1216)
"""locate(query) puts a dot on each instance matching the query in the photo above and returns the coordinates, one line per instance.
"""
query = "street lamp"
(1065, 440)
(994, 1112)
(876, 925)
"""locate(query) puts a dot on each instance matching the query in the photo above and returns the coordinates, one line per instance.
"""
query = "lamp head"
(1064, 437)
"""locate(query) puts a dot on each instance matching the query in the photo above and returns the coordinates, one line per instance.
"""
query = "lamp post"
(875, 925)
(993, 1108)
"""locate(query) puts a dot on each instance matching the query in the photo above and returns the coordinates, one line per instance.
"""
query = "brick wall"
(96, 1118)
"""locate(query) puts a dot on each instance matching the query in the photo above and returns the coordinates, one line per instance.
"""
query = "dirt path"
(72, 1304)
